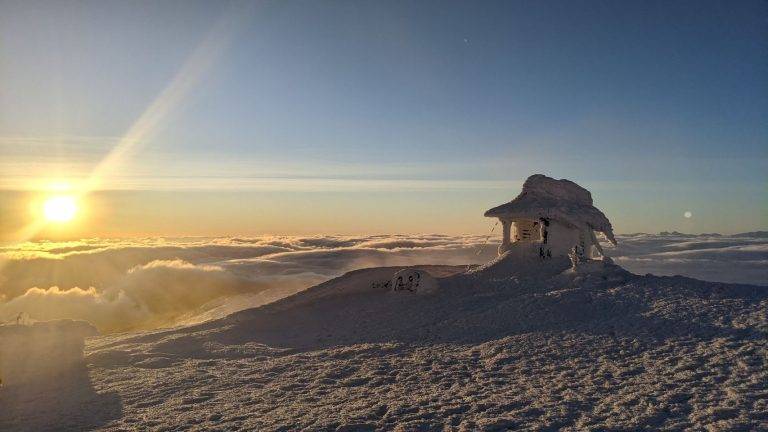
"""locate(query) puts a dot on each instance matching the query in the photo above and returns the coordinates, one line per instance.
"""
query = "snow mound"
(590, 347)
(510, 264)
(46, 384)
(563, 200)
(413, 280)
(487, 351)
(40, 350)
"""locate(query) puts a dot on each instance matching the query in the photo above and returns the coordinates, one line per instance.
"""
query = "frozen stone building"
(551, 218)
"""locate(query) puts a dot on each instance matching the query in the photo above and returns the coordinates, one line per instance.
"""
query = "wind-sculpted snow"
(593, 349)
(129, 284)
(44, 382)
(559, 200)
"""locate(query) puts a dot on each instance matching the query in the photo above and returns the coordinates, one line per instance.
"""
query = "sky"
(356, 117)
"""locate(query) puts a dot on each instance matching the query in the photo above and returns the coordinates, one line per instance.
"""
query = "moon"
(688, 215)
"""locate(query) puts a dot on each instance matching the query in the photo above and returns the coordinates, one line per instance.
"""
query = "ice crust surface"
(553, 348)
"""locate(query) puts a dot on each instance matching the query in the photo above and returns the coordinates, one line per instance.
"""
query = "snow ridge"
(591, 347)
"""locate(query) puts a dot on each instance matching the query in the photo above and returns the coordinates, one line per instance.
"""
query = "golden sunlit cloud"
(60, 208)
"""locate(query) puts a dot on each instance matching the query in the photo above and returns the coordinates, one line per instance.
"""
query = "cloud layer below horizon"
(129, 284)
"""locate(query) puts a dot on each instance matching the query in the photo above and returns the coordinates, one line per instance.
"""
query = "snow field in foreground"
(596, 348)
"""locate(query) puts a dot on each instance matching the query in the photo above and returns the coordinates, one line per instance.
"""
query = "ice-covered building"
(551, 218)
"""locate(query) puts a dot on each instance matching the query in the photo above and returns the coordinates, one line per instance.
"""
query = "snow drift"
(590, 347)
(40, 351)
(45, 381)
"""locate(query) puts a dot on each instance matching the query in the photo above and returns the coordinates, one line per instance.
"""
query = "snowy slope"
(499, 347)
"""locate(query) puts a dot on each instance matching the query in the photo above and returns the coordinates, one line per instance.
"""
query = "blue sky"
(657, 107)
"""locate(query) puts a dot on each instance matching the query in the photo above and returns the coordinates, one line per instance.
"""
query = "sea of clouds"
(739, 258)
(131, 284)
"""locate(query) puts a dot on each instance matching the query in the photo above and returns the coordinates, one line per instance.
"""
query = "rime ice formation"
(41, 350)
(551, 218)
(46, 382)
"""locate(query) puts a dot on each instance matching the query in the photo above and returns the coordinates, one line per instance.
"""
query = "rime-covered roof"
(558, 200)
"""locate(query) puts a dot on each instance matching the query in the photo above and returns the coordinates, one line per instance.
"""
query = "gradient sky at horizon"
(380, 117)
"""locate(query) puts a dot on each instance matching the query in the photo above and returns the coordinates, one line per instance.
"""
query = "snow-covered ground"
(521, 346)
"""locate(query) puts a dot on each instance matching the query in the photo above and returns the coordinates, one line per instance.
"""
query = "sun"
(60, 208)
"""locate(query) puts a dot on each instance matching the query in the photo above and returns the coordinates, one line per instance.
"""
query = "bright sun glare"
(60, 208)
